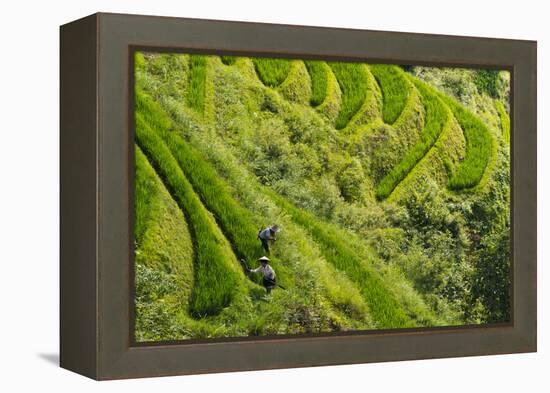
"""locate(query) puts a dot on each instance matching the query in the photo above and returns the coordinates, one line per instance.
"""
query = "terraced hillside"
(392, 195)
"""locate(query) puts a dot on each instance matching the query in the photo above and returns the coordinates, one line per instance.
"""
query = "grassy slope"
(395, 90)
(436, 117)
(385, 307)
(405, 131)
(319, 80)
(378, 312)
(164, 254)
(236, 222)
(370, 112)
(158, 219)
(504, 121)
(479, 147)
(438, 163)
(298, 245)
(383, 145)
(330, 106)
(360, 275)
(352, 80)
(297, 85)
(407, 296)
(272, 72)
(228, 60)
(215, 279)
(197, 82)
(297, 249)
(404, 300)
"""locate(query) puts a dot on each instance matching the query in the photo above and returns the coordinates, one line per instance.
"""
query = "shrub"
(434, 256)
(395, 90)
(272, 72)
(351, 180)
(197, 82)
(492, 281)
(352, 80)
(436, 117)
(215, 280)
(487, 81)
(318, 74)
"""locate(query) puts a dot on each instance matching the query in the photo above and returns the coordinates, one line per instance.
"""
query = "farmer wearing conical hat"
(269, 280)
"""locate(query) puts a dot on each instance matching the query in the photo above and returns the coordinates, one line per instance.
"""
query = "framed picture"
(242, 196)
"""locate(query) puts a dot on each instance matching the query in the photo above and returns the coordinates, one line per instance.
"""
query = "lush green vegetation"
(372, 236)
(272, 72)
(504, 121)
(228, 60)
(319, 81)
(395, 90)
(352, 79)
(197, 82)
(158, 216)
(436, 116)
(479, 147)
(487, 81)
(215, 280)
(235, 221)
(145, 191)
(163, 256)
(384, 307)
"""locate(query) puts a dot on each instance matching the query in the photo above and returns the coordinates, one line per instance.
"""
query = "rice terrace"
(378, 196)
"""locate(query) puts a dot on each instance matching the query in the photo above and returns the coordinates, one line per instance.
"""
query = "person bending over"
(269, 277)
(266, 235)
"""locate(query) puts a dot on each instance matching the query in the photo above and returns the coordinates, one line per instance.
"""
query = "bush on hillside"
(351, 180)
(488, 81)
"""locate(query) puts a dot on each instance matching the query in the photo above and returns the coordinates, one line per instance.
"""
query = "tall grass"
(158, 219)
(478, 147)
(318, 73)
(163, 257)
(504, 121)
(228, 60)
(237, 223)
(353, 82)
(145, 190)
(383, 305)
(272, 72)
(436, 116)
(395, 90)
(215, 281)
(197, 82)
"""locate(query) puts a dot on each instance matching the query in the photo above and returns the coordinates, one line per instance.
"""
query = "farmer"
(269, 280)
(266, 235)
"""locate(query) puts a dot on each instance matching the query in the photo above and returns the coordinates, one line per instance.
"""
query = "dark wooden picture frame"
(96, 196)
